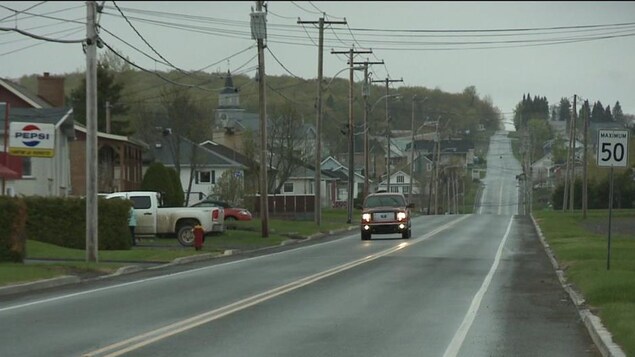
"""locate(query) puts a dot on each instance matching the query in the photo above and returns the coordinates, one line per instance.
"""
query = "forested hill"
(141, 92)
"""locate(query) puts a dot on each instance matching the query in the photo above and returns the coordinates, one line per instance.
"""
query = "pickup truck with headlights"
(154, 220)
(385, 213)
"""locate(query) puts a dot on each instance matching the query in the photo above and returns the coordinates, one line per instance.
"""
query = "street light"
(412, 146)
(366, 148)
(318, 149)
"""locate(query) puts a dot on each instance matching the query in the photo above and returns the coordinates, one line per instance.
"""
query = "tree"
(607, 114)
(187, 123)
(177, 196)
(618, 115)
(229, 187)
(155, 180)
(564, 111)
(597, 113)
(539, 133)
(285, 145)
(107, 91)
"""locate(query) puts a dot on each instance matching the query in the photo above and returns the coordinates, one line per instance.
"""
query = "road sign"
(612, 148)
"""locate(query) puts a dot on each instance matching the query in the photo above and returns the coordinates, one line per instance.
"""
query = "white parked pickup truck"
(154, 220)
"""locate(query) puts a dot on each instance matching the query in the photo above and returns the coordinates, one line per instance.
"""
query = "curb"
(128, 269)
(40, 284)
(599, 334)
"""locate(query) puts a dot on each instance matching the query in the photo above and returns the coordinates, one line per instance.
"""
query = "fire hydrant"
(199, 236)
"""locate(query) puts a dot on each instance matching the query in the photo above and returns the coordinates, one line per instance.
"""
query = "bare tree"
(286, 149)
(187, 125)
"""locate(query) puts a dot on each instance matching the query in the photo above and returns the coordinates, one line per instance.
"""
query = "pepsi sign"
(31, 139)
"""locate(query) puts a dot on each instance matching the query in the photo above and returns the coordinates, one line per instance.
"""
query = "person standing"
(132, 224)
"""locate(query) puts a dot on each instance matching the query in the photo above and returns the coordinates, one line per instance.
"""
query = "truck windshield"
(380, 201)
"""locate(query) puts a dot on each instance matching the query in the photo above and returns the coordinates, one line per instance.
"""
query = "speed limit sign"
(612, 148)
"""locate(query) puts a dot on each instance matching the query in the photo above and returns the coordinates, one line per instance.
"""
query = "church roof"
(229, 85)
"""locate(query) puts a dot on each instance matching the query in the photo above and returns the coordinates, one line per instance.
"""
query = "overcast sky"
(550, 49)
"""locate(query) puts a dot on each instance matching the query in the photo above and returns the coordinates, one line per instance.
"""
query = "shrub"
(12, 224)
(62, 221)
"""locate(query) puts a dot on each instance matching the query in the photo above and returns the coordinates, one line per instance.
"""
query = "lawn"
(48, 260)
(581, 248)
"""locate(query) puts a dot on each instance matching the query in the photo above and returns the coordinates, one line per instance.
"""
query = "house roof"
(446, 145)
(8, 174)
(227, 152)
(62, 118)
(132, 140)
(24, 94)
(161, 152)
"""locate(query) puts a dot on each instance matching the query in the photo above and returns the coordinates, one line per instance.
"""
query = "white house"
(335, 168)
(203, 161)
(399, 182)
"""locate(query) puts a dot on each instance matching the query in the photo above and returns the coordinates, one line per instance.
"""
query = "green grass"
(582, 251)
(58, 261)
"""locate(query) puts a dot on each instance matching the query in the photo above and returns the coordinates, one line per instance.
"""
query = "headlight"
(401, 216)
(366, 217)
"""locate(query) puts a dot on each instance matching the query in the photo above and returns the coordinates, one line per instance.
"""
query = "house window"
(27, 170)
(429, 167)
(406, 190)
(204, 177)
(288, 187)
(394, 188)
(400, 179)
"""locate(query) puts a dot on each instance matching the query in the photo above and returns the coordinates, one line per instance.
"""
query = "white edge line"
(459, 337)
(192, 322)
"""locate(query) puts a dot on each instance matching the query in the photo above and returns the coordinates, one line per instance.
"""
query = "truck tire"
(184, 233)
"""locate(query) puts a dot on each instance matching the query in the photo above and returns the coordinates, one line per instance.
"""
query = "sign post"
(612, 152)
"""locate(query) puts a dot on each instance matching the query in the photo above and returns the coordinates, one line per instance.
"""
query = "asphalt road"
(463, 285)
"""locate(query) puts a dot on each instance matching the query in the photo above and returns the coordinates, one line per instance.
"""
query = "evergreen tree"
(564, 113)
(107, 91)
(157, 178)
(607, 114)
(597, 113)
(618, 115)
(177, 196)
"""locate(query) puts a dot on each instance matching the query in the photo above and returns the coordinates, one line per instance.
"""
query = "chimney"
(51, 89)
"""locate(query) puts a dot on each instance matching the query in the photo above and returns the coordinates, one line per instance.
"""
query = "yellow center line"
(134, 343)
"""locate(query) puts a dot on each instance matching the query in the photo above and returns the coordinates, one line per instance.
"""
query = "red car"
(231, 213)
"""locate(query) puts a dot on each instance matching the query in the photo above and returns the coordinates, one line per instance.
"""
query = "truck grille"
(383, 216)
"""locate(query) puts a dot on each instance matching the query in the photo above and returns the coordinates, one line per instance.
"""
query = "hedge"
(62, 221)
(13, 216)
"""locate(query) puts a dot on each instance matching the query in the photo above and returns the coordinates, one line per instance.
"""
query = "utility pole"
(91, 133)
(565, 196)
(351, 131)
(365, 95)
(318, 120)
(572, 176)
(585, 163)
(412, 148)
(108, 120)
(436, 170)
(388, 81)
(259, 33)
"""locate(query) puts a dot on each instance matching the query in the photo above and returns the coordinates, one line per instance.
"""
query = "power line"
(38, 37)
(74, 32)
(303, 9)
(153, 72)
(22, 11)
(45, 16)
(144, 40)
(282, 65)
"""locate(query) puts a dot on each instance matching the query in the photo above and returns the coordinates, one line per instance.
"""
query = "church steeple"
(228, 97)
